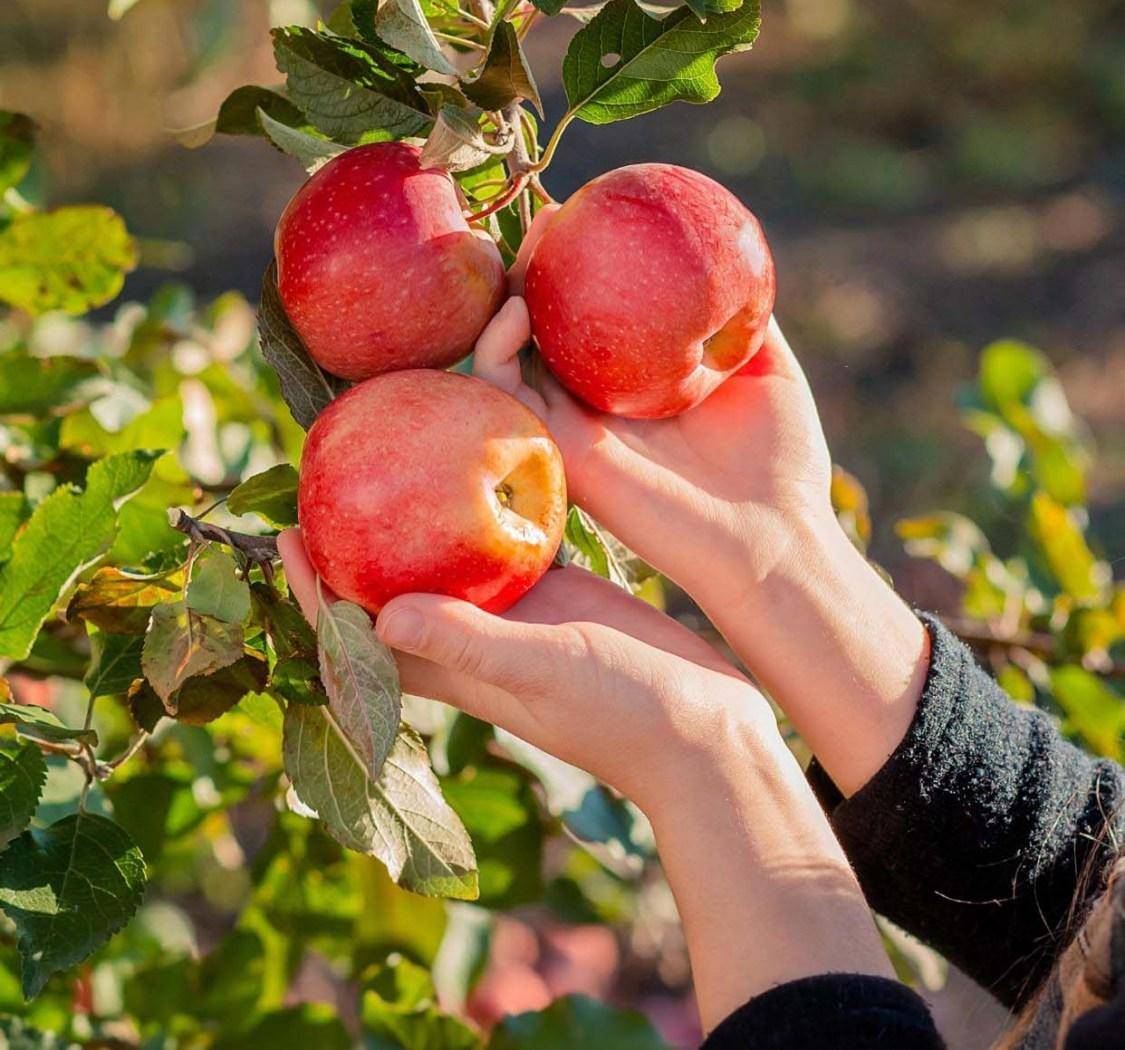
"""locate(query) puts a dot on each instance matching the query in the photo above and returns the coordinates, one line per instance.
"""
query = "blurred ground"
(930, 177)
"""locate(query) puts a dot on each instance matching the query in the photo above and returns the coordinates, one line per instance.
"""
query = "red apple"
(378, 269)
(651, 285)
(430, 481)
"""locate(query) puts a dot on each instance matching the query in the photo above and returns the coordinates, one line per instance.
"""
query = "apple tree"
(202, 799)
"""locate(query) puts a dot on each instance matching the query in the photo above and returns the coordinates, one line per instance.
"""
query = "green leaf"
(349, 89)
(402, 24)
(182, 643)
(505, 75)
(121, 602)
(17, 143)
(498, 807)
(22, 774)
(68, 888)
(1093, 709)
(238, 115)
(1057, 533)
(272, 494)
(466, 743)
(13, 513)
(306, 388)
(401, 818)
(145, 707)
(41, 724)
(296, 673)
(20, 1036)
(1021, 413)
(68, 533)
(591, 549)
(361, 678)
(71, 259)
(602, 818)
(625, 63)
(703, 8)
(1009, 371)
(457, 141)
(576, 1021)
(550, 7)
(217, 590)
(399, 1009)
(311, 1025)
(115, 663)
(311, 151)
(206, 697)
(38, 387)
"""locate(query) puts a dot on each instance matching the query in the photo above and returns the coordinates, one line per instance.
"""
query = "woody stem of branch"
(1042, 645)
(258, 549)
(519, 160)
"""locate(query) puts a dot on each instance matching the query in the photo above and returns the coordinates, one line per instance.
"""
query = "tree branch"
(981, 637)
(259, 549)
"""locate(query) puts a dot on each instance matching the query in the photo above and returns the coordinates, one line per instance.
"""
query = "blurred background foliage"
(931, 177)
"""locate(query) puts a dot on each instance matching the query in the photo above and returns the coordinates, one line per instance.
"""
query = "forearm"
(764, 891)
(832, 643)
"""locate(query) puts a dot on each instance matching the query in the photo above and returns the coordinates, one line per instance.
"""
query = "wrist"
(730, 753)
(832, 644)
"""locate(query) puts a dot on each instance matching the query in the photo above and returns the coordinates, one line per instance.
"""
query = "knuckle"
(467, 655)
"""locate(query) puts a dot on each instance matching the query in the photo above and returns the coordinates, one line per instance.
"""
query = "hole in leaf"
(610, 59)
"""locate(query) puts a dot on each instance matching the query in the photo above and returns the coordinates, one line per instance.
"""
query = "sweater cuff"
(827, 1012)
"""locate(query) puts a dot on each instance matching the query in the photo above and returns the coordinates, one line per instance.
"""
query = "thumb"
(516, 657)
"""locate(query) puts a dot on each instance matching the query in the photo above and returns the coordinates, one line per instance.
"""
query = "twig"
(980, 636)
(104, 770)
(518, 161)
(452, 38)
(75, 754)
(258, 549)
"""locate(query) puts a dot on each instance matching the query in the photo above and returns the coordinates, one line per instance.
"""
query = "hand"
(730, 476)
(592, 675)
(744, 477)
(578, 668)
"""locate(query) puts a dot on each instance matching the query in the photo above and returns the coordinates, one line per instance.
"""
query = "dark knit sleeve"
(828, 1012)
(986, 832)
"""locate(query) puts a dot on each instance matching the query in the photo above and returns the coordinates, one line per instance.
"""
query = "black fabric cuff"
(832, 1011)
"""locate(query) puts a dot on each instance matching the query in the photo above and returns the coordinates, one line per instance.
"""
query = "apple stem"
(553, 142)
(505, 198)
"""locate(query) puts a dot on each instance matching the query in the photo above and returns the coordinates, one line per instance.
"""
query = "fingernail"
(401, 628)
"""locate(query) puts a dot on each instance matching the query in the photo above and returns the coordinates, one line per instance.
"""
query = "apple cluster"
(650, 286)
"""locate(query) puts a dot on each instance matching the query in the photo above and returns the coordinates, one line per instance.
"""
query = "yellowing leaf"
(121, 602)
(182, 643)
(71, 259)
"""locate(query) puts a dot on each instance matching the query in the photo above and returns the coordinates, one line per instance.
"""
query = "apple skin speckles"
(399, 492)
(378, 269)
(650, 287)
